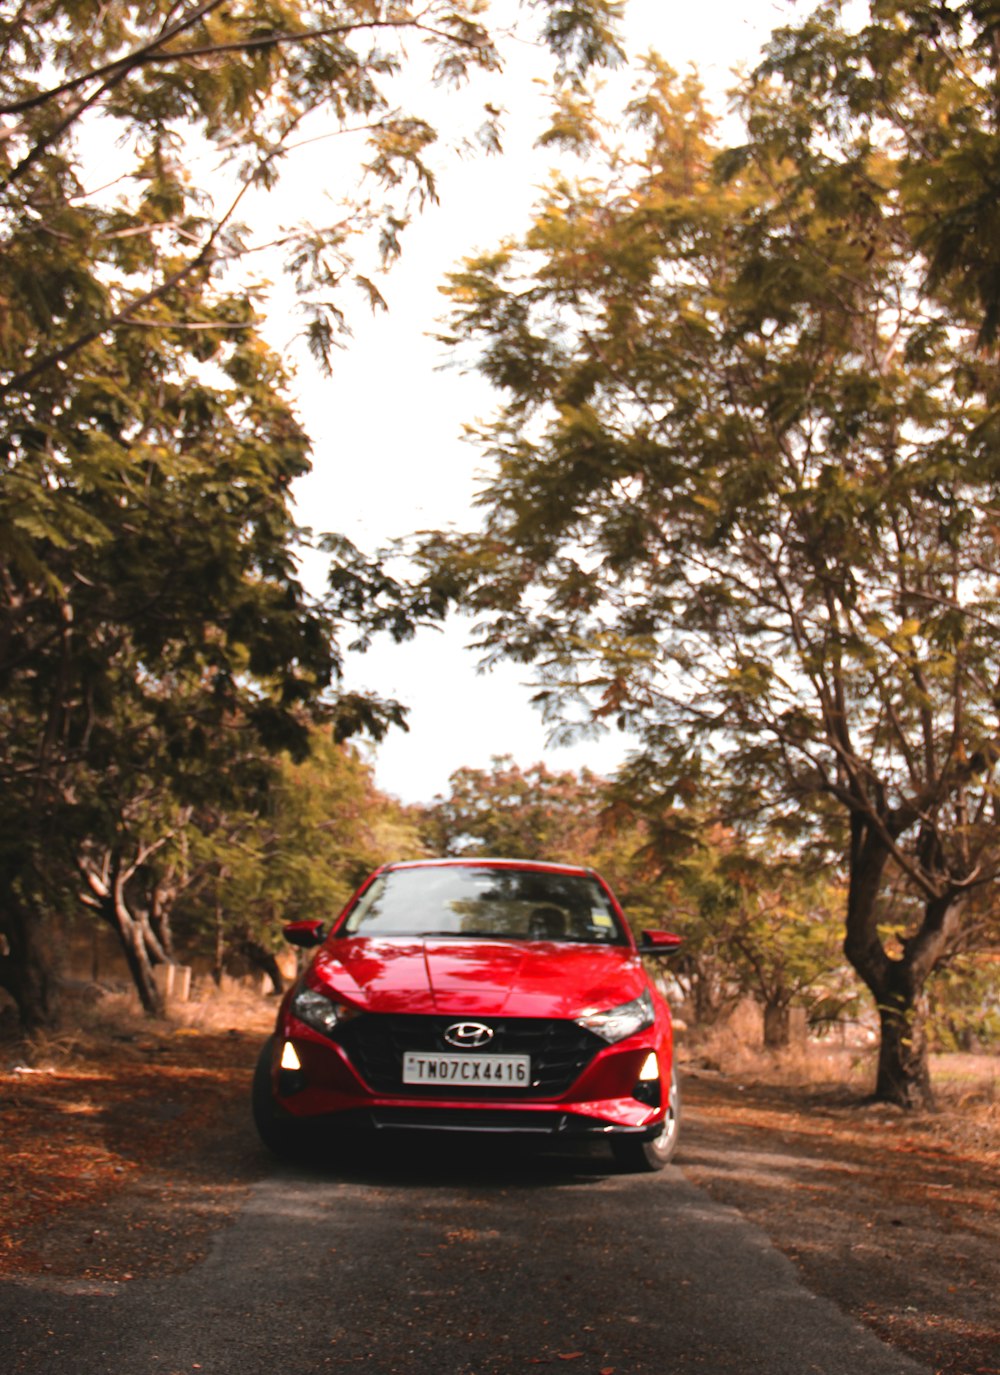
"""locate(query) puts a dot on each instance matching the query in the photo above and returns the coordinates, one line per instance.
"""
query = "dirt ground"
(894, 1216)
(124, 1148)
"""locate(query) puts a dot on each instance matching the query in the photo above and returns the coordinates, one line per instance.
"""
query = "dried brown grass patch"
(233, 1008)
(734, 1048)
(101, 1021)
(821, 1076)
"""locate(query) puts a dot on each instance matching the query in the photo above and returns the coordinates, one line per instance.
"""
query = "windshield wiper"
(470, 935)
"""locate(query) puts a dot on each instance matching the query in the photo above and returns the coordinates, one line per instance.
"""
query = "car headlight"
(619, 1022)
(320, 1012)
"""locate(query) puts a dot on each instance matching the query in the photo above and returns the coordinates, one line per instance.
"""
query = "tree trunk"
(133, 945)
(106, 881)
(26, 965)
(260, 958)
(903, 1075)
(132, 939)
(903, 1072)
(777, 1025)
(708, 991)
(219, 960)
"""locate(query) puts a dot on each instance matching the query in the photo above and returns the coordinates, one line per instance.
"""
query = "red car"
(476, 995)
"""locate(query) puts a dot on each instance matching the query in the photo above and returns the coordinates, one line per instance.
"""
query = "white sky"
(388, 454)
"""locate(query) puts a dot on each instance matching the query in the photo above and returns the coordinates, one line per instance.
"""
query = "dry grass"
(967, 1080)
(810, 1065)
(115, 1017)
(734, 1048)
(117, 1020)
(966, 1087)
(237, 1007)
(114, 1110)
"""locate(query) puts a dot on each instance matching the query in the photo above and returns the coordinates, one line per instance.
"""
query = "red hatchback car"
(483, 995)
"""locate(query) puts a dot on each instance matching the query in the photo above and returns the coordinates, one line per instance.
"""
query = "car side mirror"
(305, 934)
(660, 942)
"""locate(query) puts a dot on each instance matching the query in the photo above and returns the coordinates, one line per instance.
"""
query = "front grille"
(376, 1044)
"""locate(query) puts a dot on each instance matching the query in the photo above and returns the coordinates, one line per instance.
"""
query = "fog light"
(289, 1058)
(650, 1068)
(647, 1087)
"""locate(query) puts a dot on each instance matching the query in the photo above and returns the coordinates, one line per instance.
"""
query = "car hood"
(481, 978)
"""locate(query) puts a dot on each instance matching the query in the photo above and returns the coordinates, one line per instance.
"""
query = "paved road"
(441, 1266)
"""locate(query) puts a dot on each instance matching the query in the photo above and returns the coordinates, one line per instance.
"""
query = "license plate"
(428, 1067)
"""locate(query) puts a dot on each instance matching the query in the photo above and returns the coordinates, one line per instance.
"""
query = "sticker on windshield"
(600, 919)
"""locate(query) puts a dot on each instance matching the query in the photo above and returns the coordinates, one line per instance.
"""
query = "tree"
(681, 883)
(246, 83)
(964, 997)
(517, 813)
(321, 829)
(149, 593)
(156, 637)
(773, 924)
(758, 919)
(535, 813)
(746, 486)
(133, 893)
(218, 880)
(929, 70)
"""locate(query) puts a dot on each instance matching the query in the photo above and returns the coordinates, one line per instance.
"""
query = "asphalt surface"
(459, 1261)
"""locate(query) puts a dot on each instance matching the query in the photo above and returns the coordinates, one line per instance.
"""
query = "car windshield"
(504, 904)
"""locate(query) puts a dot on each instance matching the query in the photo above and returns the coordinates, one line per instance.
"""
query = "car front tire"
(280, 1133)
(646, 1157)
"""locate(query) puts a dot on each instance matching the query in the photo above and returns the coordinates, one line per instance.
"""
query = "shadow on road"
(414, 1159)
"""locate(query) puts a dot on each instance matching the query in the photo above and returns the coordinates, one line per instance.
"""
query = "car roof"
(491, 862)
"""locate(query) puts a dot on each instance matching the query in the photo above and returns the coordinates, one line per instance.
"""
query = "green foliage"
(758, 919)
(320, 829)
(964, 999)
(511, 813)
(535, 813)
(928, 73)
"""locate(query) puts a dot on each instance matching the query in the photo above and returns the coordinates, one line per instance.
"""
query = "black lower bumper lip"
(563, 1125)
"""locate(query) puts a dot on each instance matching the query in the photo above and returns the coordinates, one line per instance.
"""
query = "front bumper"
(604, 1098)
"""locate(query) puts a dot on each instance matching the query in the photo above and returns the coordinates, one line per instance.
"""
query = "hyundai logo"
(468, 1035)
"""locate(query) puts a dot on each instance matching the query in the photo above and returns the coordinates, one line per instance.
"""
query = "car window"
(509, 904)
